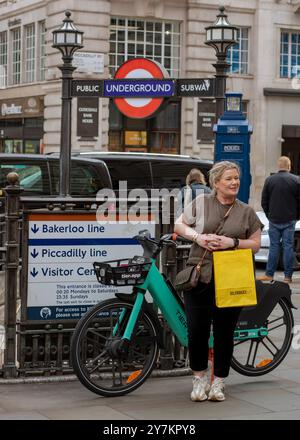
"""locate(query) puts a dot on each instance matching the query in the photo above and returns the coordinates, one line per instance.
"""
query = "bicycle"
(115, 345)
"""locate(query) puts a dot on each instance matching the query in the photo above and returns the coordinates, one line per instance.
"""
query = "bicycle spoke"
(269, 349)
(255, 353)
(97, 363)
(256, 358)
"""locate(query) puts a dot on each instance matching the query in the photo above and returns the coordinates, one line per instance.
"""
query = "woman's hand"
(213, 242)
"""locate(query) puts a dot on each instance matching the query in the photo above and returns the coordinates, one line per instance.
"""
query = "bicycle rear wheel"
(101, 360)
(255, 357)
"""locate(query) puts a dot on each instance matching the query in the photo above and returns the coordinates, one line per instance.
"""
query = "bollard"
(12, 244)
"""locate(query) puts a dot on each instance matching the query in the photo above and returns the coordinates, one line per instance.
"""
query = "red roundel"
(139, 108)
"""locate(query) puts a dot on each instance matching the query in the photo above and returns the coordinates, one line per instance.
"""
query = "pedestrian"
(240, 229)
(195, 185)
(280, 201)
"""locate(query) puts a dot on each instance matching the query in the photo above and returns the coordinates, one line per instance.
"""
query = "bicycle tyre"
(267, 365)
(110, 376)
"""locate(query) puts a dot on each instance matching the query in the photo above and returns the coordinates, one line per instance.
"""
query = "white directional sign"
(61, 251)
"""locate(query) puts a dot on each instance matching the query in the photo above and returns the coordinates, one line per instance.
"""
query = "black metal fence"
(43, 347)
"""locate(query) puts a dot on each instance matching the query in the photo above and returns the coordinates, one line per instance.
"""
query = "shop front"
(160, 134)
(21, 125)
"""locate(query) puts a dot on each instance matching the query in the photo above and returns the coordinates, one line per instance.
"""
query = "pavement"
(275, 396)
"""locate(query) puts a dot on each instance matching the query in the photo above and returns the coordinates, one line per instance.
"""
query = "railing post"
(168, 264)
(12, 244)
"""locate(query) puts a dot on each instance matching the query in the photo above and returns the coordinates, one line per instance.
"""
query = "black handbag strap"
(198, 267)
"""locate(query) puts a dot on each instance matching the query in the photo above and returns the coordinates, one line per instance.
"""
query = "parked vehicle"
(263, 253)
(148, 170)
(39, 174)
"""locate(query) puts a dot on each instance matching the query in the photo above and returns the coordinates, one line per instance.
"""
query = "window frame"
(145, 32)
(30, 53)
(239, 50)
(42, 50)
(16, 75)
(4, 58)
(289, 65)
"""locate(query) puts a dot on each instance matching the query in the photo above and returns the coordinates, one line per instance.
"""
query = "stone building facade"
(265, 67)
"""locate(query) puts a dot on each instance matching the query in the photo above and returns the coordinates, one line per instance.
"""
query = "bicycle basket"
(125, 272)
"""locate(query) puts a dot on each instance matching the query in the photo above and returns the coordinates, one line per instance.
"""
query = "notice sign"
(61, 283)
(206, 116)
(89, 62)
(87, 117)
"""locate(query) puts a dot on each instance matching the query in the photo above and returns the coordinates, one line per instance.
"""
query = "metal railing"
(43, 347)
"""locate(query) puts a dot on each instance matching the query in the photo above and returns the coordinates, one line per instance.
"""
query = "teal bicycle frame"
(172, 311)
(165, 300)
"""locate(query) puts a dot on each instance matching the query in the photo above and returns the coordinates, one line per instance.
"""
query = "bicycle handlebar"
(152, 246)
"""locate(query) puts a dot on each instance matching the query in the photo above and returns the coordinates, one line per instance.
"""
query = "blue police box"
(232, 142)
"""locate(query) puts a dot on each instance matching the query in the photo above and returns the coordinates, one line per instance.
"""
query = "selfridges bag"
(234, 278)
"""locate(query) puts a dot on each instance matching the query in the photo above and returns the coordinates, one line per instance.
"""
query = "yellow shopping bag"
(234, 278)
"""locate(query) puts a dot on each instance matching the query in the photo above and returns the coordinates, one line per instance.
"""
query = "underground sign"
(146, 104)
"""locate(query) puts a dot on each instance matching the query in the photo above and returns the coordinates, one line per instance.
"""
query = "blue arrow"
(34, 254)
(35, 229)
(34, 272)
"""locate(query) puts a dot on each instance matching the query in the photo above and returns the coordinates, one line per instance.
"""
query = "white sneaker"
(200, 388)
(217, 389)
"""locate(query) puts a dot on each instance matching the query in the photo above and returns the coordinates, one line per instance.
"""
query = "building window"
(30, 53)
(16, 55)
(42, 28)
(156, 40)
(289, 54)
(237, 55)
(3, 59)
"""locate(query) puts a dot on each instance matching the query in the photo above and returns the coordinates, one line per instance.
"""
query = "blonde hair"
(195, 176)
(218, 170)
(284, 163)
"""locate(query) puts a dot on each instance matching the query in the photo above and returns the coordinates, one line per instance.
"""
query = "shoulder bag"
(188, 278)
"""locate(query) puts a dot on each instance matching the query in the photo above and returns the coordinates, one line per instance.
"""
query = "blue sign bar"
(138, 88)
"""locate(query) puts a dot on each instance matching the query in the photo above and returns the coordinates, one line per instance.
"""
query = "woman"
(195, 185)
(240, 229)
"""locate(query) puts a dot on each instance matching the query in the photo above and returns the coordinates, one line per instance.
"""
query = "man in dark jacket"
(281, 203)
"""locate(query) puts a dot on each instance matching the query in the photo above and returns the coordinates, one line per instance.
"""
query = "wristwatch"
(236, 242)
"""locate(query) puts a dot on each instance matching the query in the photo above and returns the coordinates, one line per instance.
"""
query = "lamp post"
(221, 35)
(67, 39)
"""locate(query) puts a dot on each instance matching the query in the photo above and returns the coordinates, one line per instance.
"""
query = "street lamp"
(67, 39)
(221, 35)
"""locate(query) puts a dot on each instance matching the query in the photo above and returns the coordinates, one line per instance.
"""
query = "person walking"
(195, 185)
(237, 226)
(280, 201)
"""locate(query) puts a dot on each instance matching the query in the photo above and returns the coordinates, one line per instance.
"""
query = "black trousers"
(202, 312)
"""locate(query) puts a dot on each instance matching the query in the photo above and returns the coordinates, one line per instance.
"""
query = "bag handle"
(198, 267)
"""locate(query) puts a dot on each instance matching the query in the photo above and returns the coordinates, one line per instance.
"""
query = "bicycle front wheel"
(258, 356)
(99, 363)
